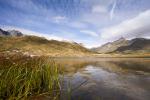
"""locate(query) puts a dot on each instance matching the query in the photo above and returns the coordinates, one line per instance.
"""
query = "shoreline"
(76, 55)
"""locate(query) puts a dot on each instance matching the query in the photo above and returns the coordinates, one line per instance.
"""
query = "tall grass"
(29, 77)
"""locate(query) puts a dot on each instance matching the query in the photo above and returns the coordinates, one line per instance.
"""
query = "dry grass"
(41, 46)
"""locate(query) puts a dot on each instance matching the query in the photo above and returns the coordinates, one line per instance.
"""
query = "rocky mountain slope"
(15, 41)
(111, 46)
(137, 45)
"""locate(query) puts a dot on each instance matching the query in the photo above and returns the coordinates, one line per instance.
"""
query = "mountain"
(4, 33)
(137, 45)
(33, 45)
(10, 33)
(111, 46)
(15, 33)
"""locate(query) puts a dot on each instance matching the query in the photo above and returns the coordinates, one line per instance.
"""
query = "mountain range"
(13, 40)
(136, 45)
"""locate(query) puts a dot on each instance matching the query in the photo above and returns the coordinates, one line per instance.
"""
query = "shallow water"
(105, 78)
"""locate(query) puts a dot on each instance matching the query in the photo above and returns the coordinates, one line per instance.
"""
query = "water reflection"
(106, 79)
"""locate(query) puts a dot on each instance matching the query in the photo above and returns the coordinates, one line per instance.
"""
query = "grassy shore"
(25, 77)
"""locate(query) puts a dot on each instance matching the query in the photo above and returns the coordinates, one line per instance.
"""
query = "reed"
(29, 77)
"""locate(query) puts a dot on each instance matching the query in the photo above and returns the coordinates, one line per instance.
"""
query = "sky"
(90, 22)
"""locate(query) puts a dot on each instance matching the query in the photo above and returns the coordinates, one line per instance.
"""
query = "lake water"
(105, 78)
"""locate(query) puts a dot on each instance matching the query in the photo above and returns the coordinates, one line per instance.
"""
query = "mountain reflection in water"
(106, 79)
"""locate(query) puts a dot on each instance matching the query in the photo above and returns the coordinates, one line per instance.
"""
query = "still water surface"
(105, 78)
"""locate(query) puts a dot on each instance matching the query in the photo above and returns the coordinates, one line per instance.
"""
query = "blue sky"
(91, 22)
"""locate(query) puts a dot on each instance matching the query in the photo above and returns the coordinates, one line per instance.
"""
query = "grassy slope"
(41, 46)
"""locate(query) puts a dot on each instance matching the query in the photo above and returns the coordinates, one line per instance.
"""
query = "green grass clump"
(29, 77)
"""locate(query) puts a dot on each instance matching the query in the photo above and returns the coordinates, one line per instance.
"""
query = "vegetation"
(24, 77)
(41, 46)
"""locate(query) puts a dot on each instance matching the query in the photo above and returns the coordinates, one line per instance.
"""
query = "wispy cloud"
(136, 27)
(99, 9)
(112, 10)
(59, 19)
(77, 24)
(53, 17)
(89, 32)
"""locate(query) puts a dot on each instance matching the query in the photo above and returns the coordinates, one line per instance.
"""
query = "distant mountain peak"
(10, 33)
(120, 39)
(4, 33)
(15, 33)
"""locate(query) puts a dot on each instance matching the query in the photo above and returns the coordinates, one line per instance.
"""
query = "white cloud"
(58, 19)
(136, 27)
(77, 25)
(99, 13)
(89, 32)
(99, 9)
(96, 19)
